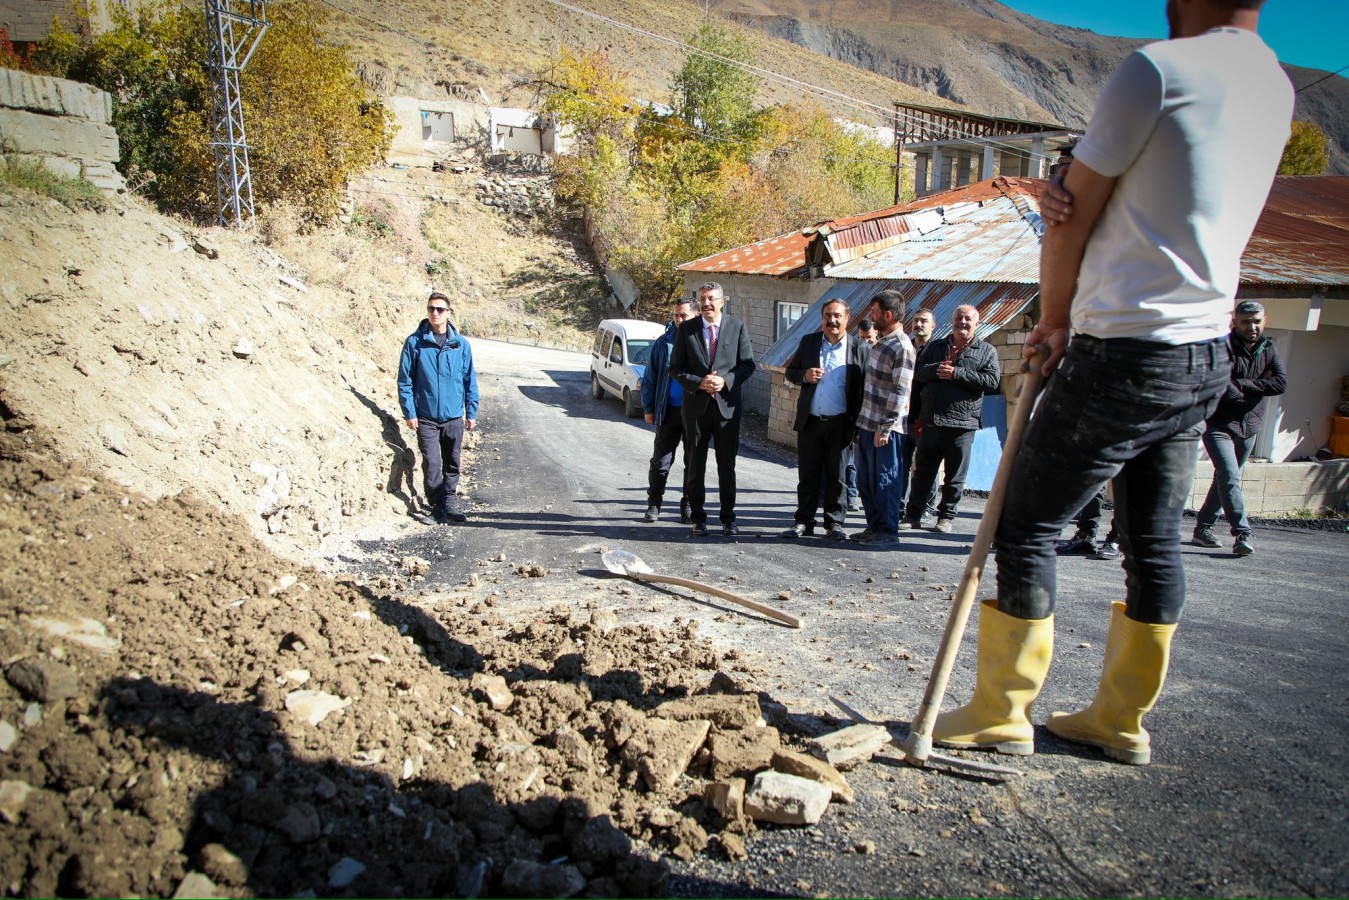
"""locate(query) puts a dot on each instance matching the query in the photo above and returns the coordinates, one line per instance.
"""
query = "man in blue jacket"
(438, 392)
(662, 401)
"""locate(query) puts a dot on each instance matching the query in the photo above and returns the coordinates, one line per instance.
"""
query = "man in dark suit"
(711, 359)
(830, 367)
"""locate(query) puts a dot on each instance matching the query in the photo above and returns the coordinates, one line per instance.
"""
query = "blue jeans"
(880, 481)
(1229, 455)
(1124, 409)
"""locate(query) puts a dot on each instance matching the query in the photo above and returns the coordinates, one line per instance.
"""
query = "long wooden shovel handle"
(785, 618)
(918, 745)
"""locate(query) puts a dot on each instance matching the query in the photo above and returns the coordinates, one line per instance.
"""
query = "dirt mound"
(182, 710)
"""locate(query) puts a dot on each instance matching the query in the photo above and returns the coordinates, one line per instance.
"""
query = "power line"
(1321, 79)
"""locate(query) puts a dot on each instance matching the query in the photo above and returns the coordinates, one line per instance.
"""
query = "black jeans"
(1124, 409)
(441, 444)
(698, 434)
(822, 462)
(939, 446)
(669, 435)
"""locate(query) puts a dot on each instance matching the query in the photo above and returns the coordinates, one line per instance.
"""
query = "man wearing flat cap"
(1229, 434)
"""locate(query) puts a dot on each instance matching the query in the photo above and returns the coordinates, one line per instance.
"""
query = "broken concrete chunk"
(312, 707)
(786, 799)
(13, 795)
(737, 752)
(43, 680)
(244, 348)
(850, 746)
(603, 620)
(725, 711)
(727, 798)
(344, 872)
(523, 878)
(789, 762)
(195, 884)
(82, 630)
(661, 749)
(499, 696)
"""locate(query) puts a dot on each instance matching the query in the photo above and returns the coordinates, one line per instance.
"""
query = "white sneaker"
(945, 526)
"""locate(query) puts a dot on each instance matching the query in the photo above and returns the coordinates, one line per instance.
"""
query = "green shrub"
(75, 193)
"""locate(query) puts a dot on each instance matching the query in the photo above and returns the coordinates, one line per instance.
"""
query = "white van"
(618, 360)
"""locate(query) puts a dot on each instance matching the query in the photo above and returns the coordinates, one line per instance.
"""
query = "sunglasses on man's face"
(437, 310)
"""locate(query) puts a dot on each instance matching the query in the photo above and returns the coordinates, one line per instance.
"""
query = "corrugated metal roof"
(784, 255)
(1302, 238)
(1303, 234)
(848, 237)
(998, 304)
(997, 240)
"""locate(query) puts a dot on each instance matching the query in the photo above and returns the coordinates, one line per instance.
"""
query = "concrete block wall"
(64, 125)
(782, 409)
(1275, 489)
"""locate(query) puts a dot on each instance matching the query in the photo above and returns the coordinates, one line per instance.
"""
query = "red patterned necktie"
(712, 342)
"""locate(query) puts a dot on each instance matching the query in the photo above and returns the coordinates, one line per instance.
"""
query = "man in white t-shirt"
(1166, 187)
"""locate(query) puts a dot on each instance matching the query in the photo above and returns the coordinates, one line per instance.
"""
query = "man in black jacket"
(829, 366)
(1229, 434)
(954, 372)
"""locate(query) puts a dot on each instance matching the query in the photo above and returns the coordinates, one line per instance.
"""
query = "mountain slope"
(992, 58)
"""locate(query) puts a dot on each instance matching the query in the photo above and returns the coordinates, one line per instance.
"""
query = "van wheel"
(632, 405)
(595, 390)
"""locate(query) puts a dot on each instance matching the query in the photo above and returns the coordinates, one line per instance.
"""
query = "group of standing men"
(854, 405)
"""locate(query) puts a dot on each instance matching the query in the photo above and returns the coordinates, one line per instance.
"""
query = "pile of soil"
(184, 711)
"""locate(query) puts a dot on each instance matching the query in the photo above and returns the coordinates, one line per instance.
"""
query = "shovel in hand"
(621, 562)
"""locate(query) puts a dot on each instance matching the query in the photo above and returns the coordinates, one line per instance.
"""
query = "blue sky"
(1302, 32)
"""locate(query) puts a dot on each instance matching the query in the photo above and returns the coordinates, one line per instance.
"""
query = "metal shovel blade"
(621, 562)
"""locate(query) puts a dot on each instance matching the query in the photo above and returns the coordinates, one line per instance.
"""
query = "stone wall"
(64, 125)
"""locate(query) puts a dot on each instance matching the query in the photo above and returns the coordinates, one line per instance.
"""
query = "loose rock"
(43, 680)
(786, 799)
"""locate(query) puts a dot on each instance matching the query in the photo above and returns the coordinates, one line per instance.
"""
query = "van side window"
(616, 355)
(599, 342)
(607, 339)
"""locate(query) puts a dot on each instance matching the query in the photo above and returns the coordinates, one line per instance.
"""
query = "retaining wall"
(64, 125)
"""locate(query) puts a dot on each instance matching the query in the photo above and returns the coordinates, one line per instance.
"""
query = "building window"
(788, 313)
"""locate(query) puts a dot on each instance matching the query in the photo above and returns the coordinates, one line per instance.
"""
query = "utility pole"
(234, 28)
(899, 153)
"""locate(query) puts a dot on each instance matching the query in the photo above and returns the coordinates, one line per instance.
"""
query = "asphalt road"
(1246, 794)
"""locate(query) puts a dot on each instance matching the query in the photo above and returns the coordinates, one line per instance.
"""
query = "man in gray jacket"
(954, 373)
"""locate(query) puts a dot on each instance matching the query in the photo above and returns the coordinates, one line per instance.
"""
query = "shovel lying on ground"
(918, 745)
(621, 562)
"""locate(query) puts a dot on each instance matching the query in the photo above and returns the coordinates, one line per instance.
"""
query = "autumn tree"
(711, 171)
(1306, 152)
(311, 122)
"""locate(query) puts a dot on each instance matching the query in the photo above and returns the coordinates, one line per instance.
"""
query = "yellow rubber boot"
(1013, 660)
(1136, 658)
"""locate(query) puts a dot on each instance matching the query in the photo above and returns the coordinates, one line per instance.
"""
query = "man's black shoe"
(835, 533)
(1080, 545)
(429, 517)
(729, 529)
(699, 529)
(454, 515)
(797, 531)
(652, 514)
(1108, 550)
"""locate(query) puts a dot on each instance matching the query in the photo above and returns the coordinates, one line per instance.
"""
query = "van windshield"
(639, 351)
